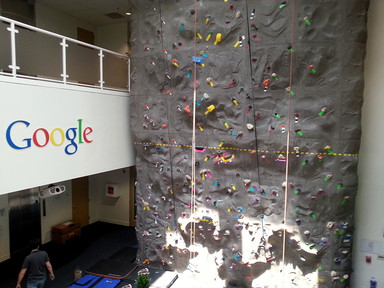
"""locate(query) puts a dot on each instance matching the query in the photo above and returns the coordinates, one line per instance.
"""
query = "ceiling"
(91, 11)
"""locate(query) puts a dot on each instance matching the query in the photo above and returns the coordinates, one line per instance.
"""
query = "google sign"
(41, 137)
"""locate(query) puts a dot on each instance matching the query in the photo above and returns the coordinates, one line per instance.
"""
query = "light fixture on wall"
(128, 7)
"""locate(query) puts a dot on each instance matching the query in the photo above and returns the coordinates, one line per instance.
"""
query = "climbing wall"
(246, 120)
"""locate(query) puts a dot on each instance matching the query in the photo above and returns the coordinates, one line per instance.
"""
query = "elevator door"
(80, 201)
(24, 219)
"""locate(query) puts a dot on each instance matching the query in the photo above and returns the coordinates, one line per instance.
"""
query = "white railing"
(28, 53)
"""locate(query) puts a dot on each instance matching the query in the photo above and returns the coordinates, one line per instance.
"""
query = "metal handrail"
(64, 39)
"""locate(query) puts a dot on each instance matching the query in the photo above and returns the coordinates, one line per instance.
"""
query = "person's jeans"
(36, 283)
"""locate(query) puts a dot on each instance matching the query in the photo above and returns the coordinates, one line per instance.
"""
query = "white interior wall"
(58, 22)
(369, 213)
(58, 210)
(113, 37)
(108, 209)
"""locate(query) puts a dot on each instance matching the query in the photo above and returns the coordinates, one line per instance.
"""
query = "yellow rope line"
(248, 150)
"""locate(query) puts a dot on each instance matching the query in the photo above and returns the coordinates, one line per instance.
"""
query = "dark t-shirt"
(35, 265)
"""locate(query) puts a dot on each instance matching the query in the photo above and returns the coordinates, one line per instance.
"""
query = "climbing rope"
(288, 140)
(253, 98)
(193, 186)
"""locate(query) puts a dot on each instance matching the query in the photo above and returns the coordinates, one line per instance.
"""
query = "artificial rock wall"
(283, 73)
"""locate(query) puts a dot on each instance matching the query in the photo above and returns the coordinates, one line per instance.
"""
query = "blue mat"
(107, 283)
(85, 281)
(91, 281)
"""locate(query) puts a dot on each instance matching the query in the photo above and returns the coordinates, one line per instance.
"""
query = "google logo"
(41, 137)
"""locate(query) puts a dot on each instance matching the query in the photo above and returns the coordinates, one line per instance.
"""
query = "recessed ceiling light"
(128, 13)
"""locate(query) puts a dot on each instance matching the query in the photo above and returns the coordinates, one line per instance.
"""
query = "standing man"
(37, 264)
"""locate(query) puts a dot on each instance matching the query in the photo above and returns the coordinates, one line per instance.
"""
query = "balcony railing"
(30, 52)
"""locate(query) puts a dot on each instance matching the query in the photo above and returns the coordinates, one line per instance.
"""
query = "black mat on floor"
(127, 254)
(111, 268)
(118, 266)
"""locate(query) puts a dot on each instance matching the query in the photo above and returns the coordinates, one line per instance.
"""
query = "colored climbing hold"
(289, 90)
(198, 34)
(239, 41)
(209, 36)
(322, 111)
(327, 177)
(199, 60)
(266, 83)
(328, 148)
(210, 109)
(298, 131)
(218, 38)
(188, 110)
(252, 14)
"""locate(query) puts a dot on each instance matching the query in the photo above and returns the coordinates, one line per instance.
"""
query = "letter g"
(9, 139)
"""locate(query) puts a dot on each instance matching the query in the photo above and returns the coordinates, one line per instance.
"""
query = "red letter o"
(46, 137)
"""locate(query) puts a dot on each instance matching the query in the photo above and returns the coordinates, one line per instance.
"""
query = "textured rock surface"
(240, 197)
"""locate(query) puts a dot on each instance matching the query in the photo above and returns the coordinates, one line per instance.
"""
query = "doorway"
(85, 36)
(24, 219)
(80, 201)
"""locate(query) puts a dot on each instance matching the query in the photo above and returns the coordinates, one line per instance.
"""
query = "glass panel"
(83, 64)
(5, 47)
(115, 71)
(38, 54)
